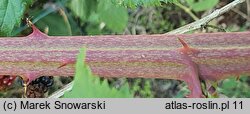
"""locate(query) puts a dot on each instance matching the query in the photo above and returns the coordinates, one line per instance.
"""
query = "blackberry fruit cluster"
(38, 87)
(6, 81)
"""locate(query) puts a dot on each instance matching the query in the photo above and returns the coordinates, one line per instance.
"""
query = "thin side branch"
(61, 92)
(198, 24)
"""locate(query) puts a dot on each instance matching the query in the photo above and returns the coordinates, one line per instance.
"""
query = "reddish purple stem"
(206, 56)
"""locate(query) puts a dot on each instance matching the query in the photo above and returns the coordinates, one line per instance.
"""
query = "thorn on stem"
(184, 44)
(186, 48)
(64, 63)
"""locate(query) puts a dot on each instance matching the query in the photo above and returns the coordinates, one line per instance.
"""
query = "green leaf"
(190, 2)
(203, 5)
(93, 29)
(115, 17)
(229, 83)
(11, 12)
(83, 8)
(86, 85)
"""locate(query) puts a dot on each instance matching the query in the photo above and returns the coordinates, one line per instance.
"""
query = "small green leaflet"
(83, 8)
(114, 16)
(86, 85)
(11, 12)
